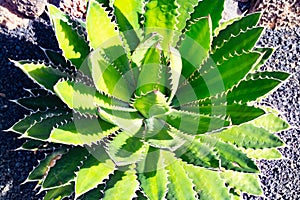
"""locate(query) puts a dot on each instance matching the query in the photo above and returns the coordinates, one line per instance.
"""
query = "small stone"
(230, 10)
(28, 8)
(10, 20)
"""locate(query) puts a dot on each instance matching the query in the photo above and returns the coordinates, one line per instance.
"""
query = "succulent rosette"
(151, 100)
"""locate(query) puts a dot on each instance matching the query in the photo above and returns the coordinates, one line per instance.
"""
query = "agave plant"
(151, 100)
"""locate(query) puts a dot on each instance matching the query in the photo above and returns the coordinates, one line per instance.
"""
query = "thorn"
(8, 130)
(24, 182)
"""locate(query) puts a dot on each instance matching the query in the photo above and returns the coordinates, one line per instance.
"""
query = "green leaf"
(60, 192)
(175, 68)
(63, 170)
(236, 45)
(127, 13)
(158, 134)
(31, 145)
(42, 169)
(82, 131)
(126, 148)
(44, 75)
(212, 79)
(231, 157)
(86, 99)
(249, 136)
(151, 104)
(74, 47)
(149, 41)
(199, 154)
(41, 103)
(153, 74)
(97, 18)
(117, 57)
(267, 53)
(208, 183)
(131, 10)
(93, 172)
(276, 75)
(225, 24)
(96, 193)
(46, 125)
(128, 121)
(152, 175)
(243, 182)
(255, 86)
(269, 154)
(271, 123)
(208, 7)
(185, 8)
(122, 185)
(57, 59)
(231, 71)
(240, 113)
(180, 185)
(107, 77)
(192, 123)
(237, 113)
(28, 121)
(195, 46)
(160, 17)
(243, 24)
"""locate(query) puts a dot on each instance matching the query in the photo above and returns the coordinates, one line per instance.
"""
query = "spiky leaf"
(230, 156)
(180, 185)
(74, 47)
(235, 28)
(236, 45)
(160, 17)
(122, 185)
(237, 113)
(243, 182)
(24, 124)
(158, 134)
(257, 85)
(41, 74)
(127, 13)
(153, 74)
(64, 169)
(268, 154)
(42, 169)
(151, 104)
(93, 172)
(152, 175)
(192, 123)
(86, 99)
(249, 136)
(208, 183)
(208, 7)
(126, 149)
(107, 77)
(82, 131)
(41, 103)
(213, 79)
(97, 18)
(60, 192)
(195, 46)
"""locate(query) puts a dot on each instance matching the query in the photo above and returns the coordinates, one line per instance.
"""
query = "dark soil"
(19, 44)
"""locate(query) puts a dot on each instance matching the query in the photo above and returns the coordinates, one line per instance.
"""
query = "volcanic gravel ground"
(18, 45)
(280, 178)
